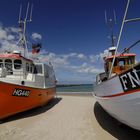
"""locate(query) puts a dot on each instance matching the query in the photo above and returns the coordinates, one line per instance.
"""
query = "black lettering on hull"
(130, 79)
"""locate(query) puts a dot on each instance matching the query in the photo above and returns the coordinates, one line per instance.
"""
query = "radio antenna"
(105, 17)
(22, 28)
(110, 22)
(115, 19)
(20, 12)
(27, 11)
(31, 12)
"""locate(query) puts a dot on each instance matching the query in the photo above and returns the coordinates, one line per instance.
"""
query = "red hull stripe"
(121, 94)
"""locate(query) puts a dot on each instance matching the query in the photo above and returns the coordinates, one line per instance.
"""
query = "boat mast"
(22, 29)
(118, 42)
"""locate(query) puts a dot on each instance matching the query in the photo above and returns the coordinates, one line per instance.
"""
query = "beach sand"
(66, 118)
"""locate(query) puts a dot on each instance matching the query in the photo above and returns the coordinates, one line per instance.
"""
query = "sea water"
(75, 88)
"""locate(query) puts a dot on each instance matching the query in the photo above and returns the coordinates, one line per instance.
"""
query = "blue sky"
(73, 33)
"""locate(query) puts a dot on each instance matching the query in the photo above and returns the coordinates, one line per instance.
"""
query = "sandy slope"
(65, 118)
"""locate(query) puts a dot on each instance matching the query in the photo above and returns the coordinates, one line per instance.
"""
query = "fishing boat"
(117, 89)
(25, 83)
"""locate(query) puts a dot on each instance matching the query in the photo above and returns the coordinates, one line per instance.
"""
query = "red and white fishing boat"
(118, 88)
(24, 83)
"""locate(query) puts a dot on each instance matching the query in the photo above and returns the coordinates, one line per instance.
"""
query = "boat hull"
(120, 96)
(124, 108)
(18, 98)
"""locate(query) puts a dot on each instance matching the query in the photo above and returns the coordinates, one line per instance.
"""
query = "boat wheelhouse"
(20, 70)
(122, 62)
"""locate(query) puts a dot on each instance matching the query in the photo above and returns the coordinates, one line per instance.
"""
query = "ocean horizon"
(75, 88)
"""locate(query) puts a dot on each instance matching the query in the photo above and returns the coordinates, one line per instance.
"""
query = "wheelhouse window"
(17, 64)
(8, 66)
(122, 62)
(38, 69)
(47, 73)
(1, 63)
(131, 60)
(31, 68)
(27, 67)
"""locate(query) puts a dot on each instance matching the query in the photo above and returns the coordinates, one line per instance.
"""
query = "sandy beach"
(67, 117)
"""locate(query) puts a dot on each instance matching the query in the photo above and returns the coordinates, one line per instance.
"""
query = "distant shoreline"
(75, 93)
(70, 85)
(74, 88)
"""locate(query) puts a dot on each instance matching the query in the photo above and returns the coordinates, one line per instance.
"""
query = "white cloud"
(8, 38)
(98, 57)
(36, 36)
(85, 68)
(94, 58)
(72, 54)
(70, 63)
(3, 33)
(14, 29)
(89, 70)
(68, 67)
(81, 56)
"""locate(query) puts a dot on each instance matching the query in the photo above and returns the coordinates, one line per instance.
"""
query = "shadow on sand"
(33, 112)
(112, 126)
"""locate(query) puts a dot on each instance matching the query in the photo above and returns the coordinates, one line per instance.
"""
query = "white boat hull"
(125, 108)
(120, 97)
